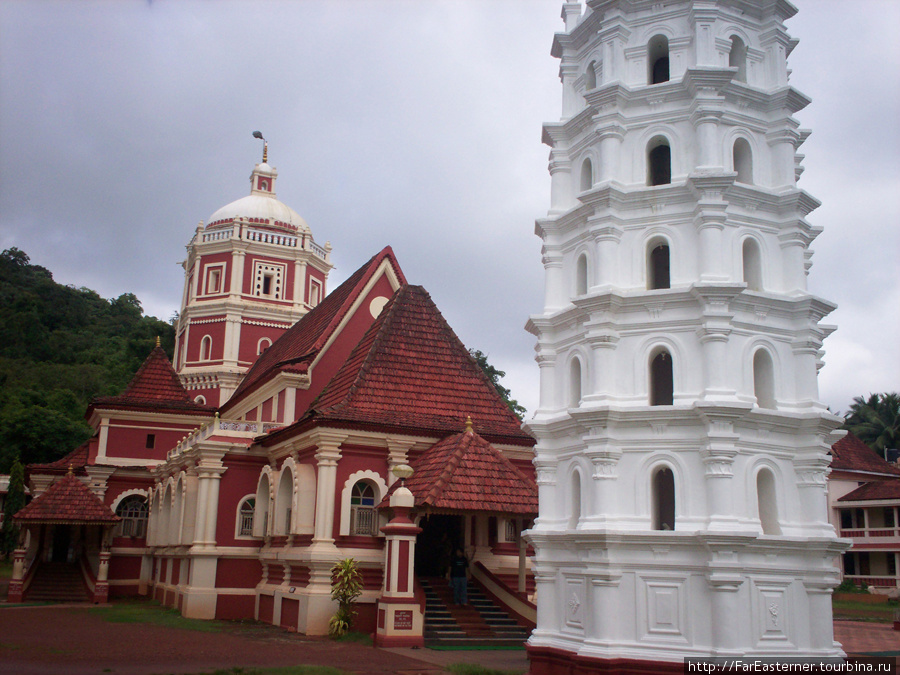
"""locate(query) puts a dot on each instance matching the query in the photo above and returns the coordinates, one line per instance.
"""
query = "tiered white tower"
(681, 452)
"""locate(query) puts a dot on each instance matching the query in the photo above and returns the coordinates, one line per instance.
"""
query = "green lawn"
(150, 611)
(472, 669)
(288, 670)
(864, 611)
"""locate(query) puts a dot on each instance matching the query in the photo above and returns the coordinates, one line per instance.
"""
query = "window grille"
(248, 508)
(362, 509)
(133, 512)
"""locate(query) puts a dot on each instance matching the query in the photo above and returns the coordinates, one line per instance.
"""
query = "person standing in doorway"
(459, 567)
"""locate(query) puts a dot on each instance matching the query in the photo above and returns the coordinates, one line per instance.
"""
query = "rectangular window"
(315, 292)
(215, 276)
(268, 280)
(151, 441)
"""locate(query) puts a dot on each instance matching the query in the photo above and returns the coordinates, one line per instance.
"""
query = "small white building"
(682, 447)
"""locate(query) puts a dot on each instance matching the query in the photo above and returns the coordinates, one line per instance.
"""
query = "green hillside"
(59, 347)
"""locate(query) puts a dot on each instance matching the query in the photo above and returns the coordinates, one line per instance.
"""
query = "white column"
(328, 453)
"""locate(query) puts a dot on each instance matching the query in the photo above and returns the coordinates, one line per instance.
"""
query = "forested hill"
(59, 347)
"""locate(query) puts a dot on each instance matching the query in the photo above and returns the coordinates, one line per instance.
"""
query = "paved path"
(72, 640)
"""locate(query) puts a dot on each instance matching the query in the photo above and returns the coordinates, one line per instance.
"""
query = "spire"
(258, 134)
(157, 340)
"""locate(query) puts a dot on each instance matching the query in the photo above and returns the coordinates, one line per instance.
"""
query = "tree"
(15, 500)
(494, 376)
(875, 421)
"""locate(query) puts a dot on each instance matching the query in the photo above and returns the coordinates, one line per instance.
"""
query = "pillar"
(400, 616)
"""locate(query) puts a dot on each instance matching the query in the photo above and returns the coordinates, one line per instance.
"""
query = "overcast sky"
(408, 123)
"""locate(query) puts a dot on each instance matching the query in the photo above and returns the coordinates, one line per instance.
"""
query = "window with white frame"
(133, 512)
(215, 275)
(268, 280)
(362, 509)
(246, 512)
(315, 292)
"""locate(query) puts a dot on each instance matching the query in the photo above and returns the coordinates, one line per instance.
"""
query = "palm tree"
(876, 421)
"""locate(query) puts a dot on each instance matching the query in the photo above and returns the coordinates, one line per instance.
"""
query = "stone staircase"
(57, 582)
(481, 623)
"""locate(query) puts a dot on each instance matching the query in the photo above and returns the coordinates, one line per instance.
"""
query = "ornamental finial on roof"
(157, 340)
(71, 467)
(468, 424)
(258, 134)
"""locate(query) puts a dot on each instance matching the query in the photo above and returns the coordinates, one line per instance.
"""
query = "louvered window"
(362, 509)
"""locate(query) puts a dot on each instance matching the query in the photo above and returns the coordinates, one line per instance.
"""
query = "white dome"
(261, 207)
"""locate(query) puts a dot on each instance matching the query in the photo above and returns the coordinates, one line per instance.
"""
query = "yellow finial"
(468, 424)
(157, 340)
(265, 152)
(70, 469)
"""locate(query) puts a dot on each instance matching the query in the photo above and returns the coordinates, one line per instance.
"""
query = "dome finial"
(258, 134)
(157, 340)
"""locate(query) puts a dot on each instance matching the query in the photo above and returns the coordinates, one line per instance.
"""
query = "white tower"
(681, 452)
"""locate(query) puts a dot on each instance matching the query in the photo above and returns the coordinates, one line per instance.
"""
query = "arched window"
(263, 345)
(763, 379)
(201, 399)
(575, 500)
(261, 507)
(575, 383)
(284, 503)
(581, 275)
(743, 161)
(133, 512)
(658, 275)
(752, 260)
(658, 59)
(663, 499)
(737, 58)
(206, 348)
(767, 502)
(362, 509)
(587, 175)
(246, 512)
(659, 162)
(590, 76)
(662, 389)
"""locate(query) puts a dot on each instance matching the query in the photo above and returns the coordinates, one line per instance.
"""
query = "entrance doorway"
(440, 535)
(61, 542)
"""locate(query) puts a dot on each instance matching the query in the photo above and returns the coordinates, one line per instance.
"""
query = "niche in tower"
(658, 275)
(662, 385)
(742, 158)
(737, 58)
(659, 162)
(658, 59)
(663, 491)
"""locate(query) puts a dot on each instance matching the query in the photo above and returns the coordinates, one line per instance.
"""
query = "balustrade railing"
(239, 428)
(264, 237)
(860, 532)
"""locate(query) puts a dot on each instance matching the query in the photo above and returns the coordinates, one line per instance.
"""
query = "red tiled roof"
(877, 489)
(851, 454)
(155, 386)
(410, 370)
(298, 346)
(77, 460)
(69, 501)
(466, 473)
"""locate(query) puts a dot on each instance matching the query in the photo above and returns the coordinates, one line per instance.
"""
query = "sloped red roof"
(877, 489)
(851, 454)
(411, 371)
(69, 501)
(75, 460)
(466, 473)
(155, 386)
(298, 346)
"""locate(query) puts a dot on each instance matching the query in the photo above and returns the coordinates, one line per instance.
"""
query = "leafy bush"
(346, 587)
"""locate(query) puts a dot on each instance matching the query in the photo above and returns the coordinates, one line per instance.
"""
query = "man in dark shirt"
(459, 565)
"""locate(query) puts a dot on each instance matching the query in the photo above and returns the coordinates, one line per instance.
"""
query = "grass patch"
(286, 670)
(150, 612)
(472, 669)
(356, 637)
(864, 611)
(6, 569)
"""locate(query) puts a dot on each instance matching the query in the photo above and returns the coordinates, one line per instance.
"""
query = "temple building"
(228, 483)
